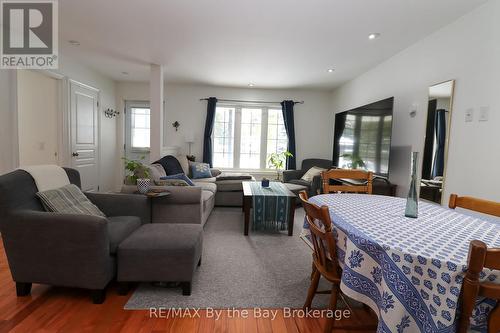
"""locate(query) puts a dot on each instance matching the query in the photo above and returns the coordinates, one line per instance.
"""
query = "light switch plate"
(469, 115)
(484, 112)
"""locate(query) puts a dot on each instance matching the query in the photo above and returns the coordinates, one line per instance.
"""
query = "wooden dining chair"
(475, 204)
(325, 260)
(343, 177)
(480, 257)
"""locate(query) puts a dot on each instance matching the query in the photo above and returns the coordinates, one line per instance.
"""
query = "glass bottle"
(412, 199)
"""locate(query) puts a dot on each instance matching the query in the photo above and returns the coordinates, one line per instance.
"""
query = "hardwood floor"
(52, 309)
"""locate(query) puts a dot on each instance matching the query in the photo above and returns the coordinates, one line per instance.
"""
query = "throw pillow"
(200, 170)
(156, 171)
(68, 199)
(183, 161)
(180, 176)
(311, 173)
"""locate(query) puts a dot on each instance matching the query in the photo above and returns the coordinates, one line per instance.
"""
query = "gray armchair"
(63, 249)
(294, 176)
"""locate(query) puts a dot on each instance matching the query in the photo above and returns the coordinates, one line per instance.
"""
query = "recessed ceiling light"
(374, 35)
(125, 73)
(251, 84)
(74, 42)
(330, 70)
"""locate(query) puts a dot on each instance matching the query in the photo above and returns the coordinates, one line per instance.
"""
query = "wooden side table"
(154, 195)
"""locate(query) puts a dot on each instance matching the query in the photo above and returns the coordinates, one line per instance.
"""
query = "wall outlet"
(469, 115)
(484, 113)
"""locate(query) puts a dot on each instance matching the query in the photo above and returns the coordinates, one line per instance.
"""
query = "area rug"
(265, 269)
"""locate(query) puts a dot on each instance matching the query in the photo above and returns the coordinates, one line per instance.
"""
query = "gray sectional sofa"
(193, 204)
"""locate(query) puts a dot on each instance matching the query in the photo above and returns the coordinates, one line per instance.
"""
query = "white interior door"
(84, 119)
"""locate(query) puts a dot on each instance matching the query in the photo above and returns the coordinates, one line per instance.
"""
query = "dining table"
(408, 270)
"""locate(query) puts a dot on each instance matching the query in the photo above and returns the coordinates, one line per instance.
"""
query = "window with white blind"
(244, 136)
(140, 127)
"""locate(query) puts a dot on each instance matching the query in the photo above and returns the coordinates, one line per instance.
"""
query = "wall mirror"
(436, 141)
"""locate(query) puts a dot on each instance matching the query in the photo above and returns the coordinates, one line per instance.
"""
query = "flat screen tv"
(362, 137)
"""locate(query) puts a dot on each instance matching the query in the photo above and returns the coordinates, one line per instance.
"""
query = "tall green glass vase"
(412, 199)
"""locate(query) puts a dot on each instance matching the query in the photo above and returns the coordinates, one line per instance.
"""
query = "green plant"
(278, 160)
(135, 170)
(356, 161)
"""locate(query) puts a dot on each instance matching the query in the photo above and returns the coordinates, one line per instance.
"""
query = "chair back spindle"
(341, 177)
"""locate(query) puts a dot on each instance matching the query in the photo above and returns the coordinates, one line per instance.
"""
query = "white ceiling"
(272, 43)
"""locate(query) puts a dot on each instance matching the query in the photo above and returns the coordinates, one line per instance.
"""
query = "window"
(245, 136)
(277, 140)
(140, 127)
(251, 123)
(223, 137)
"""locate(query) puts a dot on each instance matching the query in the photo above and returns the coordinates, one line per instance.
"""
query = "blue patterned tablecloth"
(409, 271)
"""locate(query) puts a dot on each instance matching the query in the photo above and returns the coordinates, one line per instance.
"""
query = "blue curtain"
(440, 123)
(287, 108)
(209, 127)
(340, 120)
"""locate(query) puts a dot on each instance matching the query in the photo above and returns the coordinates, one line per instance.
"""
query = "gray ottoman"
(160, 252)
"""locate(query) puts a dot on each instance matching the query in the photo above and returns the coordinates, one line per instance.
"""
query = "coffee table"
(251, 190)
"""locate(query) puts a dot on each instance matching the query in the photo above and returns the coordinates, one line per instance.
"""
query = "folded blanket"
(233, 176)
(47, 177)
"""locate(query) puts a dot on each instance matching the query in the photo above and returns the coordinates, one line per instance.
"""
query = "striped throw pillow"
(68, 199)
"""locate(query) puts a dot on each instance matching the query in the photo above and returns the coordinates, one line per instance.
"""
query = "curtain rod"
(242, 101)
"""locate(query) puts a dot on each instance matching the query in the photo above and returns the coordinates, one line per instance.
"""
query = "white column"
(156, 104)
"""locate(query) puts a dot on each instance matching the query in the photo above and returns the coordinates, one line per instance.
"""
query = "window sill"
(139, 150)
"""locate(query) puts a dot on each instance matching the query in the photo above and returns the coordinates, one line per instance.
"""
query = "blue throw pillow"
(200, 170)
(180, 176)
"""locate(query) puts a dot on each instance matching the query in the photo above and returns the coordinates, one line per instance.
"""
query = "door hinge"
(98, 188)
(97, 103)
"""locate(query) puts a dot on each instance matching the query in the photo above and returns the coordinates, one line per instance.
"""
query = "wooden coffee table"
(248, 196)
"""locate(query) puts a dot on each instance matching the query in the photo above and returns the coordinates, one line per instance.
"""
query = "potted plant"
(277, 161)
(135, 170)
(356, 161)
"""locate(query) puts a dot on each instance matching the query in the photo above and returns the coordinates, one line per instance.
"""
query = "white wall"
(313, 122)
(76, 71)
(37, 118)
(468, 51)
(8, 141)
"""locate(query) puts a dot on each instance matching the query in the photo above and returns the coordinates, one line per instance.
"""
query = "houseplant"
(135, 170)
(278, 160)
(356, 161)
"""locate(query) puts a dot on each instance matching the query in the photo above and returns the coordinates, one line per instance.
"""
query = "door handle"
(75, 154)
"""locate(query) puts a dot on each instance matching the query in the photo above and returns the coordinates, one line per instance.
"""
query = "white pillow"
(311, 173)
(183, 161)
(156, 171)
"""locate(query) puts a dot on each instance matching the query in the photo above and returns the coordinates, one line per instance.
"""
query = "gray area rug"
(265, 269)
